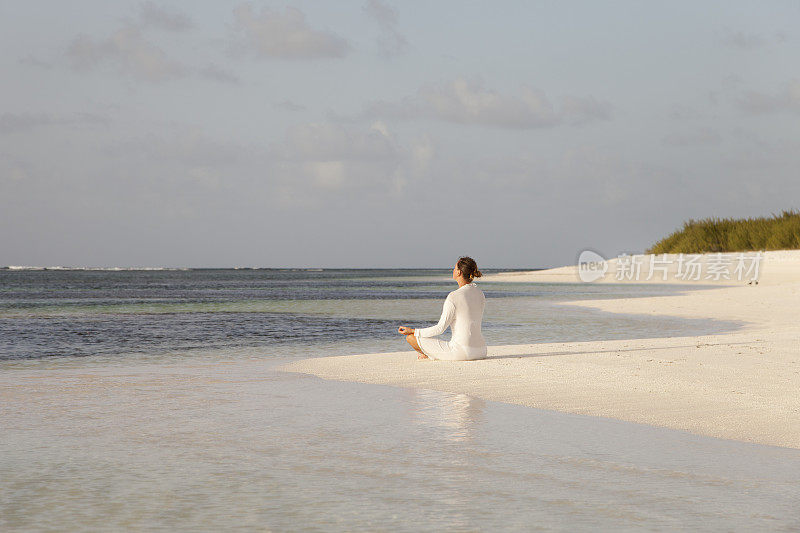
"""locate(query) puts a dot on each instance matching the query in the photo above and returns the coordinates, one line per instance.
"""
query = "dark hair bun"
(468, 268)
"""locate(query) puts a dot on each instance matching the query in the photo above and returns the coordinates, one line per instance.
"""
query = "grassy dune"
(778, 232)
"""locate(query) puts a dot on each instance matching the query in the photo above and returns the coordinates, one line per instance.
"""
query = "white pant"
(450, 351)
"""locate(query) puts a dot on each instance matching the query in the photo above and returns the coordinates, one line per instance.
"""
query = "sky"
(378, 134)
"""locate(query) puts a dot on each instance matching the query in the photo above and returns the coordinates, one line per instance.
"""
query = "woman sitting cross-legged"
(463, 313)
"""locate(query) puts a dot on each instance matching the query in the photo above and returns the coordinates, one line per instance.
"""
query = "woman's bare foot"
(422, 356)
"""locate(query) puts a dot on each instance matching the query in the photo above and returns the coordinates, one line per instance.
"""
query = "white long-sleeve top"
(462, 312)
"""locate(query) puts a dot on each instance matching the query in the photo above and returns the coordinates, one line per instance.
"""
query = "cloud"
(285, 35)
(13, 170)
(184, 167)
(581, 110)
(699, 137)
(171, 172)
(326, 174)
(289, 106)
(128, 52)
(750, 41)
(317, 159)
(32, 61)
(215, 73)
(742, 40)
(381, 12)
(423, 151)
(468, 102)
(687, 112)
(326, 141)
(391, 42)
(26, 122)
(151, 15)
(786, 100)
(189, 148)
(16, 123)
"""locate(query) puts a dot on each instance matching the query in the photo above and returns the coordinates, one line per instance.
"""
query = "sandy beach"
(740, 385)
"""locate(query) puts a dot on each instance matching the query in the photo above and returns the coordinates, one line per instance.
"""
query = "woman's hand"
(402, 330)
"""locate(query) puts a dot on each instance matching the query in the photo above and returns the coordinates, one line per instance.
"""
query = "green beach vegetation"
(778, 232)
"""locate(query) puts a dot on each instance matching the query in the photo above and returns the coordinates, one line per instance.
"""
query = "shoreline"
(741, 385)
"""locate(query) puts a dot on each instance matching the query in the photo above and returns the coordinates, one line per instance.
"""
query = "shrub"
(778, 232)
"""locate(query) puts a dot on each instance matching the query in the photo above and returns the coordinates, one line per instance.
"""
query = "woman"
(463, 312)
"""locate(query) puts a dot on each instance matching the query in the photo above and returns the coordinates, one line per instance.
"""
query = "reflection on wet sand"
(456, 417)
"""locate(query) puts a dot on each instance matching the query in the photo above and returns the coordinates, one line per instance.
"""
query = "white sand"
(774, 267)
(743, 385)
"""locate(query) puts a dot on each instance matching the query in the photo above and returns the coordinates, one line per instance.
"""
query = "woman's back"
(469, 302)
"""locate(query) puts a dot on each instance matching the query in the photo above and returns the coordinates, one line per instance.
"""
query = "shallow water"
(235, 445)
(150, 400)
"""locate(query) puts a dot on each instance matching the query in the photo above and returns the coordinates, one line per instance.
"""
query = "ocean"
(151, 399)
(115, 316)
